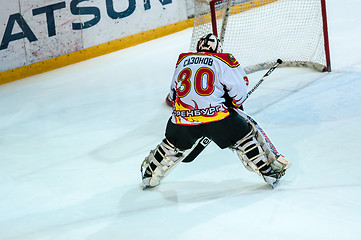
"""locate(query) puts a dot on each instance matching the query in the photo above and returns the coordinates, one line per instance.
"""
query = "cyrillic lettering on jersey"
(198, 60)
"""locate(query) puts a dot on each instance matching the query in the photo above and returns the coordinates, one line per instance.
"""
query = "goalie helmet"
(209, 43)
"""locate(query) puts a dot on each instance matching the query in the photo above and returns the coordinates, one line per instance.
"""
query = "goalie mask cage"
(259, 32)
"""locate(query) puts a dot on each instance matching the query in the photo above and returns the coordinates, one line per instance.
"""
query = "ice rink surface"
(72, 141)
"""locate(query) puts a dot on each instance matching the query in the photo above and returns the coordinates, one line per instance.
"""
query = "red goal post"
(258, 32)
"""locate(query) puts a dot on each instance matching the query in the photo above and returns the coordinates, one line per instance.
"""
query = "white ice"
(72, 141)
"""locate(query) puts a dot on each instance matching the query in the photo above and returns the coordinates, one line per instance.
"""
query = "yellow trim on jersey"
(229, 60)
(197, 116)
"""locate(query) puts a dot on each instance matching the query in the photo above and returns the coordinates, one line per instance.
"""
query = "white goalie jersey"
(200, 83)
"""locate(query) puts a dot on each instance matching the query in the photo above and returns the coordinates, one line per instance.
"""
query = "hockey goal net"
(259, 32)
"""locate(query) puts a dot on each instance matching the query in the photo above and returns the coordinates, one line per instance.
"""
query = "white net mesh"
(259, 32)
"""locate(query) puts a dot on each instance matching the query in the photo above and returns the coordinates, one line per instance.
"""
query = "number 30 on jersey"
(203, 82)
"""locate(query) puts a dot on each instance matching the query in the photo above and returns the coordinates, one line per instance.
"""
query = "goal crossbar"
(258, 32)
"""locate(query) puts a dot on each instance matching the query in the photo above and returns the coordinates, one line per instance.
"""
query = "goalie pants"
(225, 133)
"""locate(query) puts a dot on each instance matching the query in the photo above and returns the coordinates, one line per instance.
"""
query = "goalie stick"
(204, 141)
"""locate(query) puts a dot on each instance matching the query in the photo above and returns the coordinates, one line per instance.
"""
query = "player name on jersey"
(198, 60)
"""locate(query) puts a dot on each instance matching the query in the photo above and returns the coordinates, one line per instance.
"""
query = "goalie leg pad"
(256, 156)
(160, 162)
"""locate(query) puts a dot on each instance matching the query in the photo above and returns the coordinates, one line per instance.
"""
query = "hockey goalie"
(207, 92)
